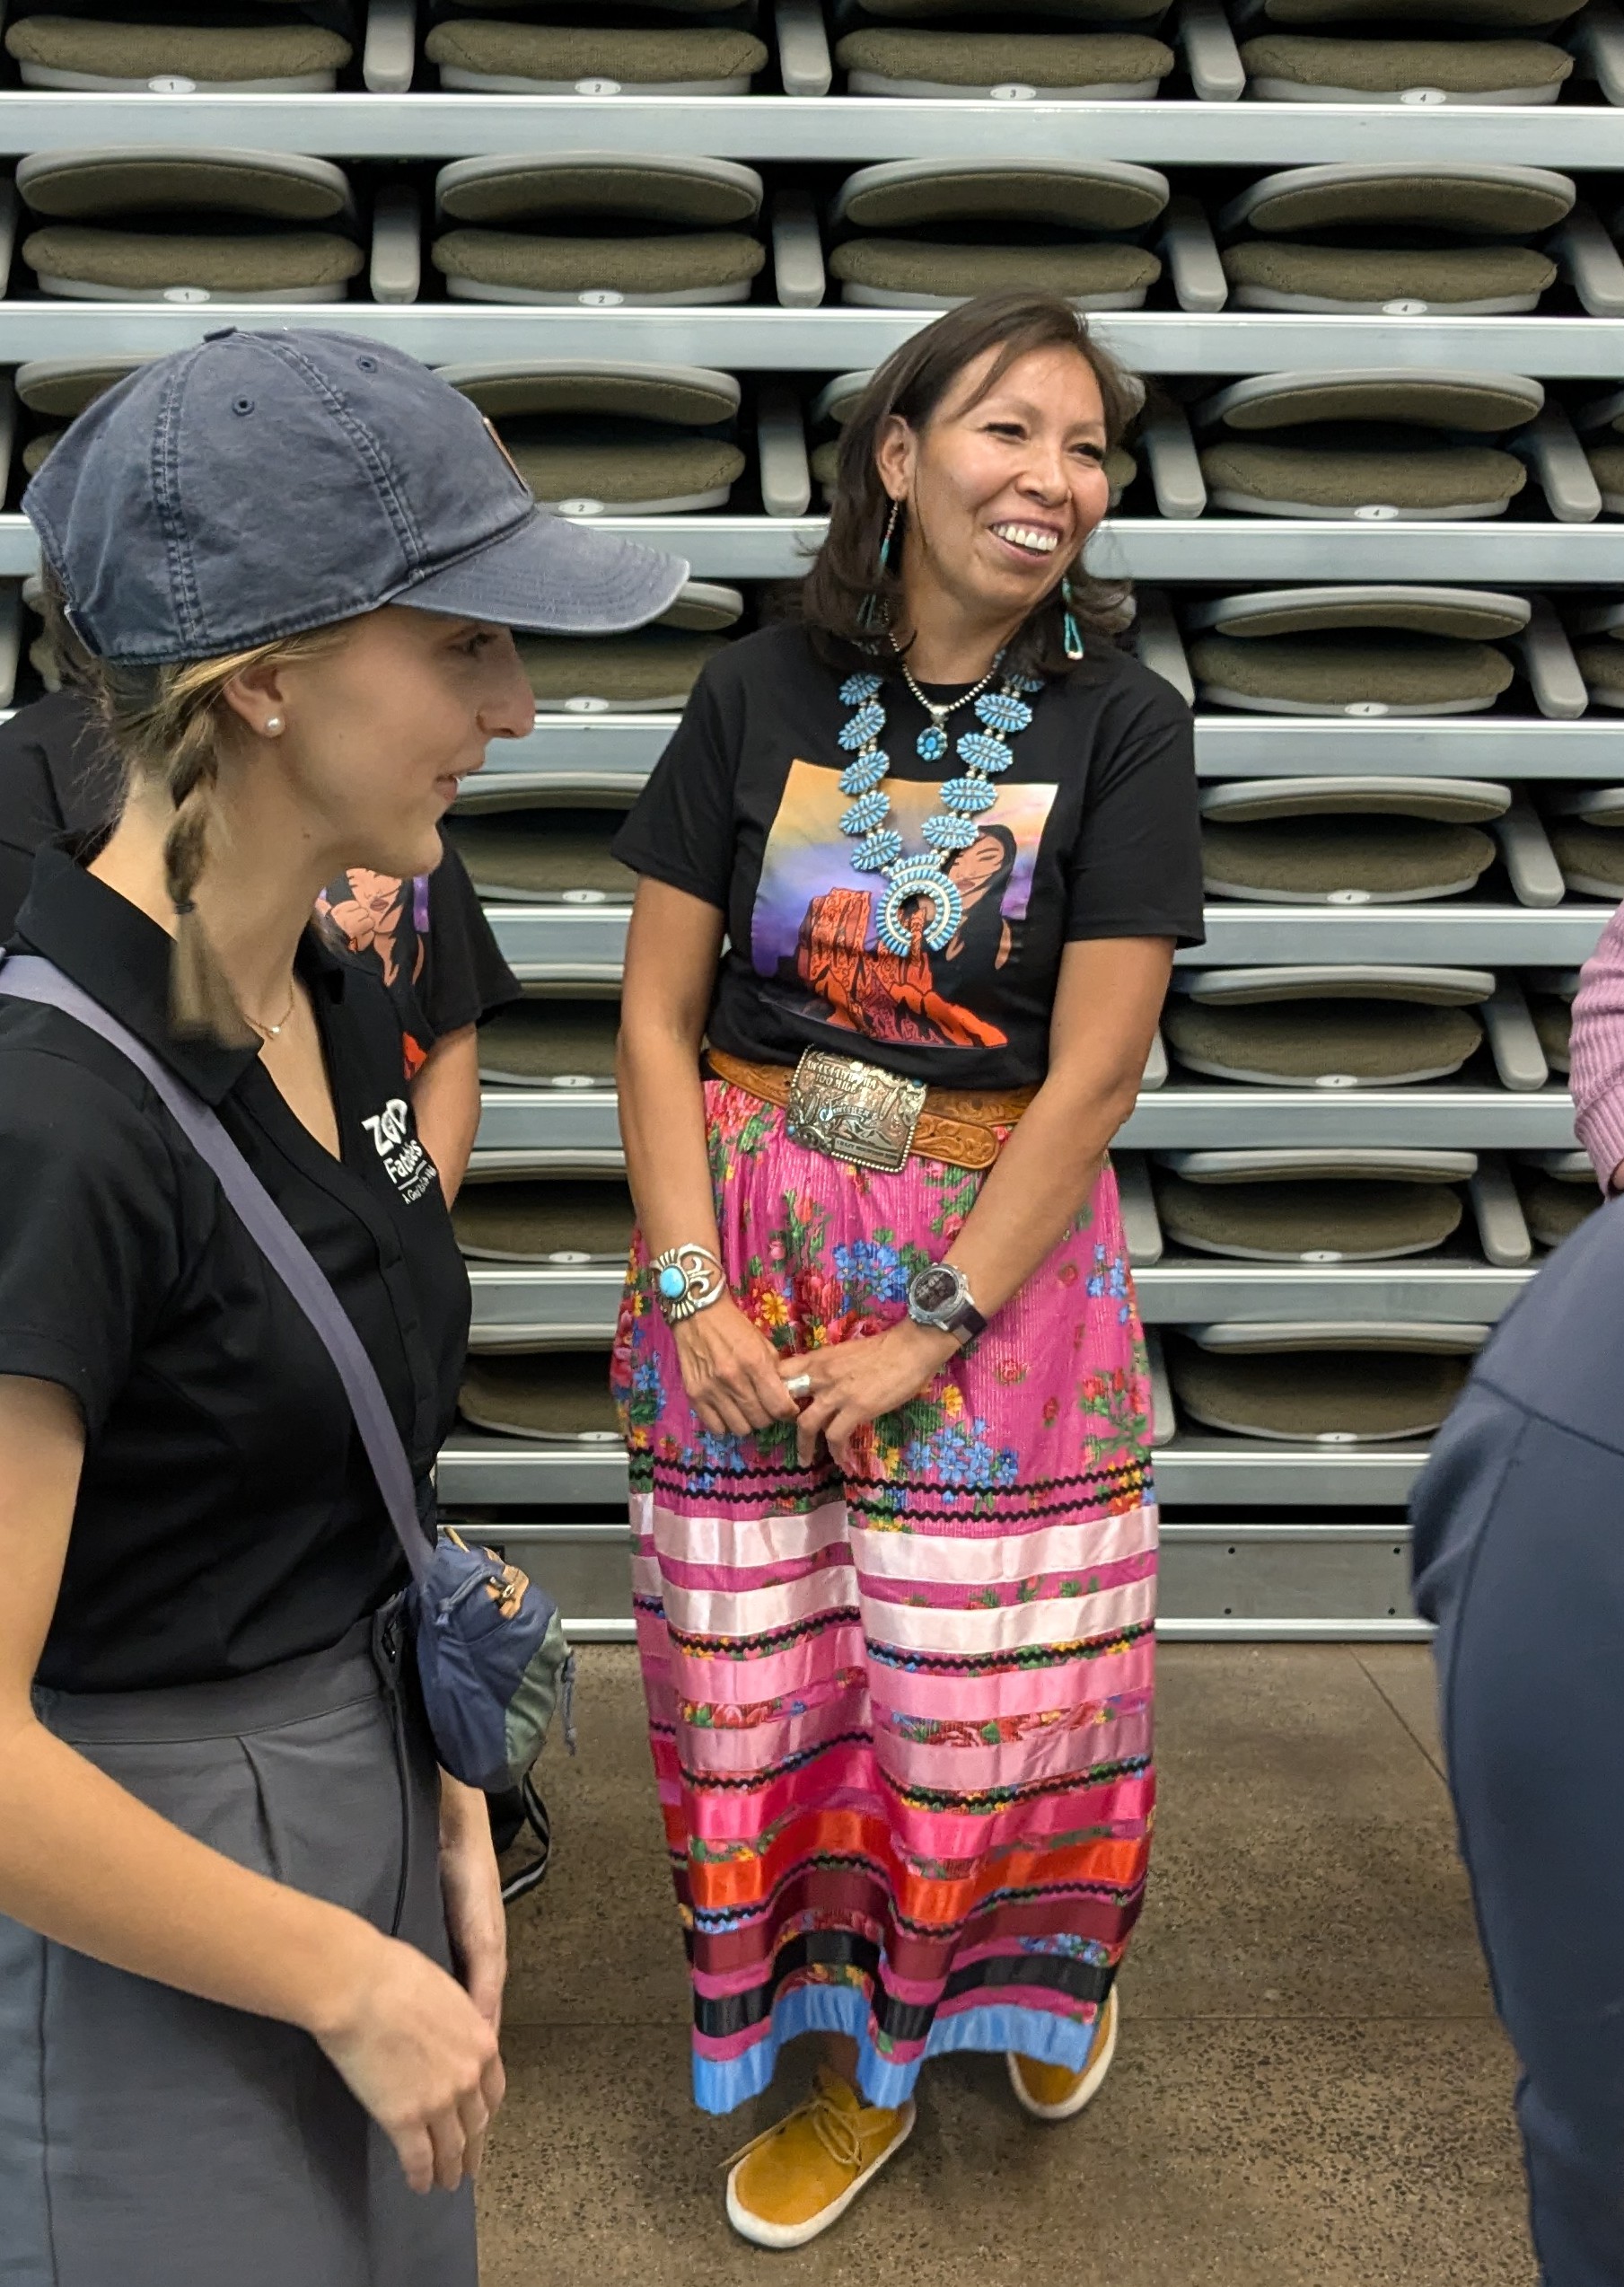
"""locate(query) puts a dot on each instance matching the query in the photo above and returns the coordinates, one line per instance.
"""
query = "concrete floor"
(1310, 2087)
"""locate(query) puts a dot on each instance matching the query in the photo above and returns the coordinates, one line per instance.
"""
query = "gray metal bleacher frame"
(1306, 1541)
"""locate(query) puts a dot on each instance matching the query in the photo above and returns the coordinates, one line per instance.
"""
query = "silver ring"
(799, 1385)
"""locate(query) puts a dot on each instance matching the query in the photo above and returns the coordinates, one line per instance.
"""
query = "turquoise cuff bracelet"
(687, 1279)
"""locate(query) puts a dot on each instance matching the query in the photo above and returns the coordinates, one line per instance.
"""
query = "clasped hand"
(735, 1379)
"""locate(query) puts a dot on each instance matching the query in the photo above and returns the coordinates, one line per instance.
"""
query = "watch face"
(936, 1289)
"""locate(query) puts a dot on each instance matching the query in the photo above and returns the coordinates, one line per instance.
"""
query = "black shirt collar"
(121, 957)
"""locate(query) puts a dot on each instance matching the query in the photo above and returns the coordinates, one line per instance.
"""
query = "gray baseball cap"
(262, 483)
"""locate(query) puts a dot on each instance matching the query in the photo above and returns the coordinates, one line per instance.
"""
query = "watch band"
(956, 1313)
(966, 1319)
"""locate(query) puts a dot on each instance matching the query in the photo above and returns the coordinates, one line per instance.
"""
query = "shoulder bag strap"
(29, 977)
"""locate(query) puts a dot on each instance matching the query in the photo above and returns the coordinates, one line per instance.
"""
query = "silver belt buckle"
(853, 1111)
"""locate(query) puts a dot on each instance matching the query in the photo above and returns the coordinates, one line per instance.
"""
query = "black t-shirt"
(428, 938)
(1094, 834)
(226, 1516)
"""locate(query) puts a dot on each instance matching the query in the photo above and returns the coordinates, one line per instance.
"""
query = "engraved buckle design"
(853, 1111)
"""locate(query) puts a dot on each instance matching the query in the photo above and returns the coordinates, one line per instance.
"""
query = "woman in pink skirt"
(913, 871)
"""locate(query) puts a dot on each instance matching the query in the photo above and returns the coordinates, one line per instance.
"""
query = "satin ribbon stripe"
(901, 1726)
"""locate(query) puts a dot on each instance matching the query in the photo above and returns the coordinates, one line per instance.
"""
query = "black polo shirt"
(226, 1516)
(428, 939)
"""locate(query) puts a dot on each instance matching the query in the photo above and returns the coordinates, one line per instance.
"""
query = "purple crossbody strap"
(25, 976)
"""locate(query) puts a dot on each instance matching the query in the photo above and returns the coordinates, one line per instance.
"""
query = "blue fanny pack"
(491, 1653)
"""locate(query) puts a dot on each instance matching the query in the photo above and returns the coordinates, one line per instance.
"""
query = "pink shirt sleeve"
(1597, 1078)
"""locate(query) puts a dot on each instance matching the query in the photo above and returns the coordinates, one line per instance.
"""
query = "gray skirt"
(149, 2138)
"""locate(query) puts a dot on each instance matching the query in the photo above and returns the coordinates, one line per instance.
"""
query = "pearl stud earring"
(273, 724)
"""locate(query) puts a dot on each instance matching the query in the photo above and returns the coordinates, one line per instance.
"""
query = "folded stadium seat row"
(236, 46)
(1365, 650)
(1336, 1205)
(1333, 1381)
(647, 47)
(1480, 51)
(598, 229)
(1312, 1382)
(162, 223)
(536, 47)
(593, 229)
(555, 1398)
(1383, 443)
(1370, 840)
(1351, 1026)
(659, 48)
(1339, 1204)
(923, 234)
(1424, 52)
(571, 229)
(553, 856)
(1348, 238)
(1095, 51)
(551, 1044)
(556, 1224)
(259, 46)
(1401, 241)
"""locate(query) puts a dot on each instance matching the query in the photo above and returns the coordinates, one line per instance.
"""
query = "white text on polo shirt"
(405, 1162)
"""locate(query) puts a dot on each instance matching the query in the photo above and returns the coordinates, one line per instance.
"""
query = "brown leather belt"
(859, 1112)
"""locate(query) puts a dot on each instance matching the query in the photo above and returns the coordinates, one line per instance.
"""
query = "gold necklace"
(274, 1031)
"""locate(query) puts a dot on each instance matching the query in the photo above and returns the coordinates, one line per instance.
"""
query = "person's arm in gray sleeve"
(1597, 1076)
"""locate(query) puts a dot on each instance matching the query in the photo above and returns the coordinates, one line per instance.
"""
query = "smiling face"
(380, 729)
(1000, 490)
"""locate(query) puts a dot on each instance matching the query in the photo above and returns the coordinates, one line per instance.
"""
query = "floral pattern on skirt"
(900, 1717)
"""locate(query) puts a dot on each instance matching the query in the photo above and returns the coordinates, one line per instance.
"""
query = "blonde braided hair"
(165, 723)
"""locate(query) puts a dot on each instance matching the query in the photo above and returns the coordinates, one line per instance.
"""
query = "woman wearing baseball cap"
(251, 1937)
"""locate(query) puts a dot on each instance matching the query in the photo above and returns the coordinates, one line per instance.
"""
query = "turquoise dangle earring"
(870, 616)
(1071, 635)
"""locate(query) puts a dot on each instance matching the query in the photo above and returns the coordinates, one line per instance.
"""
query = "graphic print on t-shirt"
(406, 1165)
(382, 917)
(813, 937)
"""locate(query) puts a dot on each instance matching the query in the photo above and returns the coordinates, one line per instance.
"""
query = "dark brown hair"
(845, 585)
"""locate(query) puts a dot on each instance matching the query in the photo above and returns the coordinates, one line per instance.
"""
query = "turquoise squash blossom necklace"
(984, 753)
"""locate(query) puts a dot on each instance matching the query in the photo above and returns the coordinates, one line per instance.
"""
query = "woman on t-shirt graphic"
(982, 942)
(909, 996)
(913, 872)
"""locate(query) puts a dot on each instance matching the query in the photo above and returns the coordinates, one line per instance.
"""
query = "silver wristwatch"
(939, 1296)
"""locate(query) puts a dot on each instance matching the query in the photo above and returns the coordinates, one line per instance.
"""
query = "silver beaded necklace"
(931, 744)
